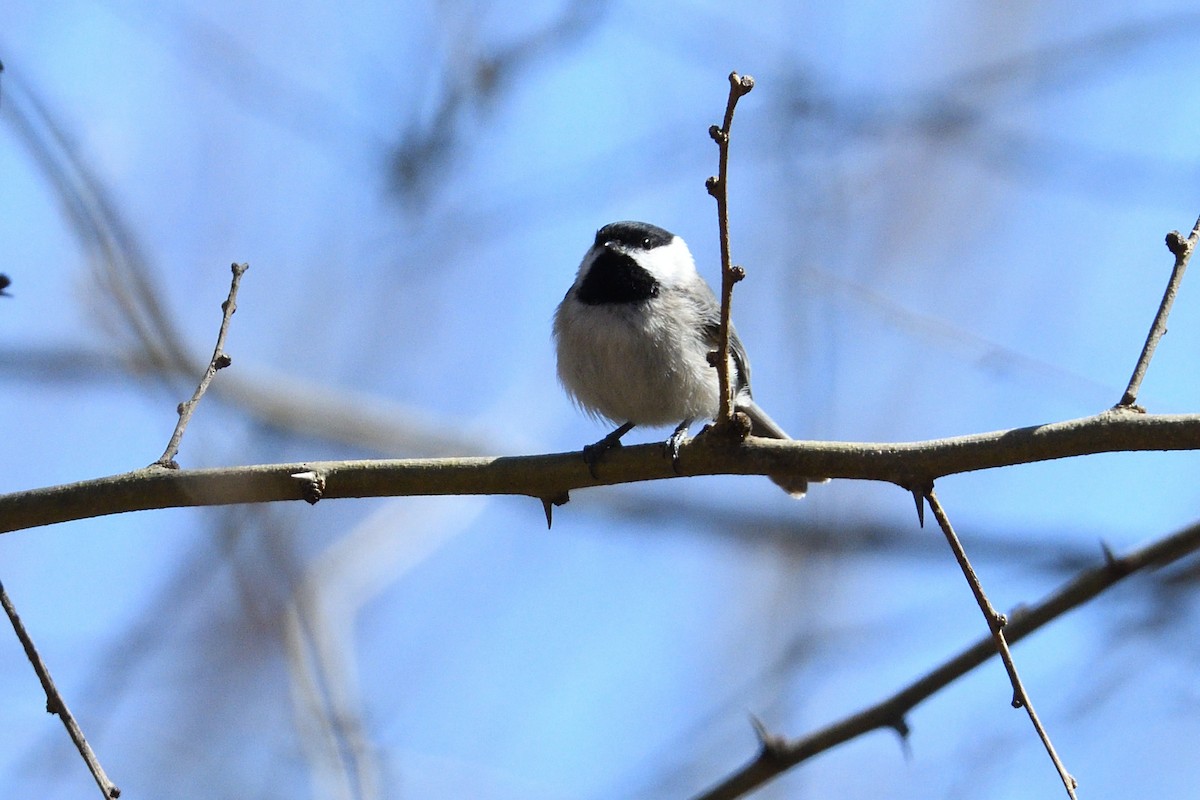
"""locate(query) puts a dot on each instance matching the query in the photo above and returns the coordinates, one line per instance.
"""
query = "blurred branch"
(219, 360)
(119, 263)
(778, 754)
(912, 464)
(962, 108)
(474, 82)
(54, 701)
(1182, 249)
(283, 401)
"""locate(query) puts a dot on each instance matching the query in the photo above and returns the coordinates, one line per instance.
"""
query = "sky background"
(952, 220)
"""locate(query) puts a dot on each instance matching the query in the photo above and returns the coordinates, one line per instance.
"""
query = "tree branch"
(1182, 249)
(718, 187)
(552, 476)
(219, 360)
(778, 754)
(55, 704)
(996, 624)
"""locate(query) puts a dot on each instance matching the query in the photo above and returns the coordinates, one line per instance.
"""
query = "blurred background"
(952, 219)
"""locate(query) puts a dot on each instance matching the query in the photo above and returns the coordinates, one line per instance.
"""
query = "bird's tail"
(763, 425)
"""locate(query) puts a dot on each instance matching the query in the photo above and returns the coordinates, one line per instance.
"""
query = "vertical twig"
(219, 360)
(718, 187)
(54, 701)
(1182, 249)
(996, 623)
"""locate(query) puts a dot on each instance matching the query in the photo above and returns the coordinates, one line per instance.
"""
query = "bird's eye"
(646, 243)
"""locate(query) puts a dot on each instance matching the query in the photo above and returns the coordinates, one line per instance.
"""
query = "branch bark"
(551, 477)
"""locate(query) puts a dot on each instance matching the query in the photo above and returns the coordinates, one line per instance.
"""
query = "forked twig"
(996, 622)
(1182, 249)
(718, 187)
(219, 360)
(54, 701)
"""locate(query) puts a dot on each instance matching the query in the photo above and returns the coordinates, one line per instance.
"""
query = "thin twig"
(1182, 249)
(891, 711)
(54, 701)
(997, 622)
(718, 187)
(219, 361)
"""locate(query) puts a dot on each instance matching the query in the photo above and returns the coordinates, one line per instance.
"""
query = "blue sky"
(952, 219)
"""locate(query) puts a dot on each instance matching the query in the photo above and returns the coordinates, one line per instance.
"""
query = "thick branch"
(552, 476)
(779, 754)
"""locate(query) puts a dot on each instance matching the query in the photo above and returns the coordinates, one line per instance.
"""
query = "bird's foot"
(593, 453)
(675, 441)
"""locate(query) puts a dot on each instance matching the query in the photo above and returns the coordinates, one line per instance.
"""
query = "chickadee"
(633, 336)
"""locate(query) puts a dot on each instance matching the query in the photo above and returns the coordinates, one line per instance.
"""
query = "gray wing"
(741, 363)
(761, 422)
(763, 425)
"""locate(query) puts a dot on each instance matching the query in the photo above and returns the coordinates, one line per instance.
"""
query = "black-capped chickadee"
(633, 336)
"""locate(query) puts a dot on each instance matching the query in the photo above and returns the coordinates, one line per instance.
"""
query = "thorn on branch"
(713, 185)
(548, 504)
(900, 726)
(5, 282)
(771, 745)
(919, 491)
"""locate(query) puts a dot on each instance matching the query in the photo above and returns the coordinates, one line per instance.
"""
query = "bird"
(633, 336)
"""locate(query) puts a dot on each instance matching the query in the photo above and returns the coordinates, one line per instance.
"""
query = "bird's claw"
(593, 453)
(672, 445)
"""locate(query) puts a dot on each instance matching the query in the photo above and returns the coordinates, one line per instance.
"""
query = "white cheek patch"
(670, 264)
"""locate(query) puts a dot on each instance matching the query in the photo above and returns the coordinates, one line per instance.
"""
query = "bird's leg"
(592, 453)
(675, 441)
